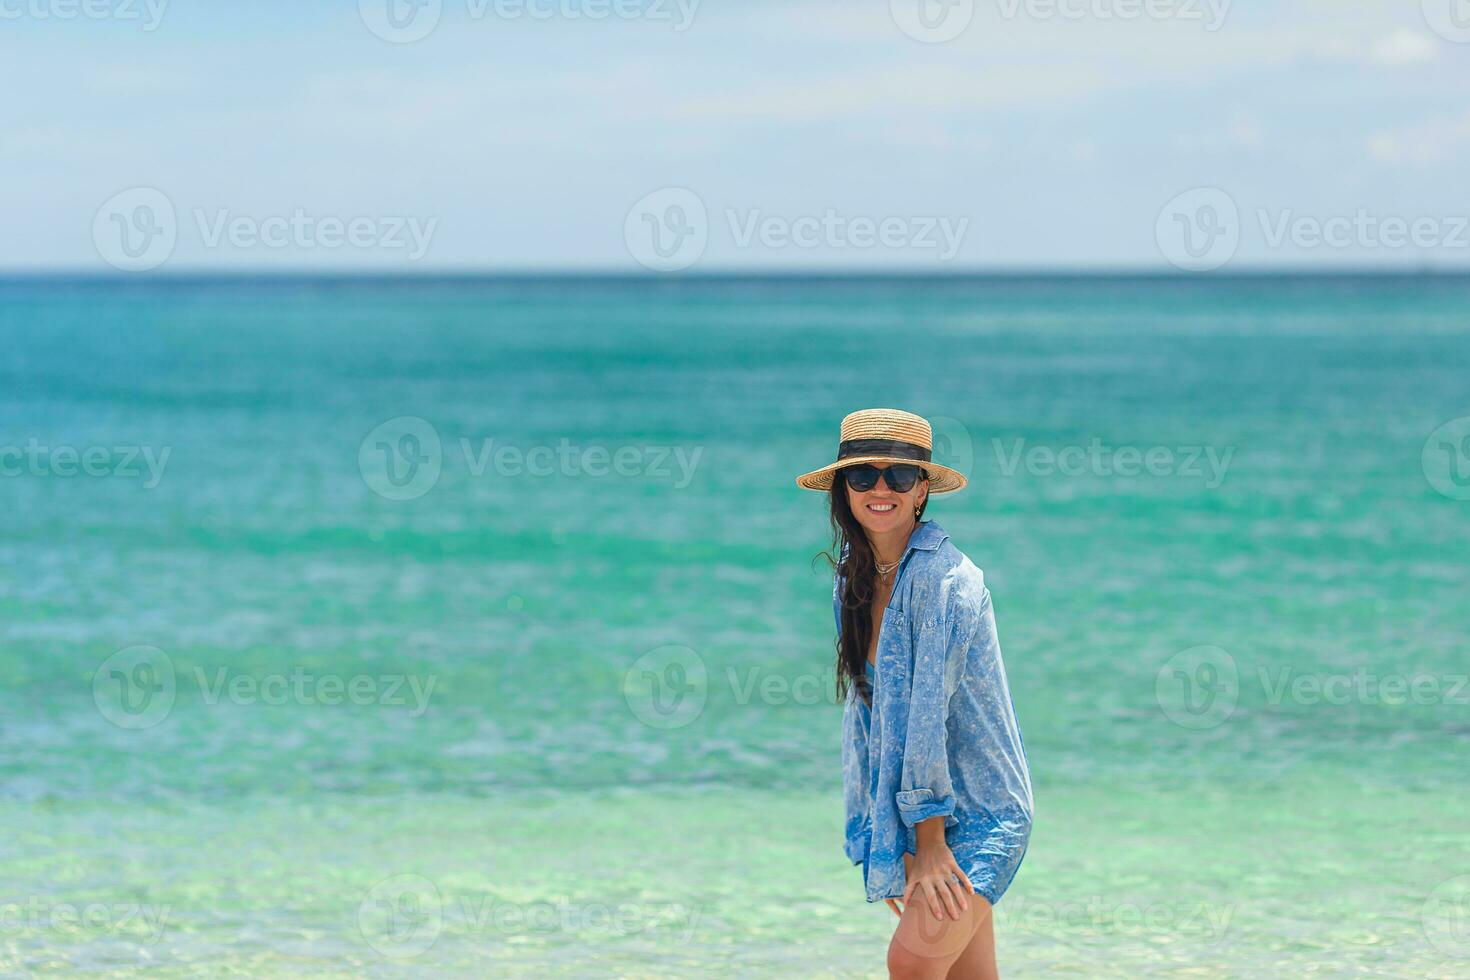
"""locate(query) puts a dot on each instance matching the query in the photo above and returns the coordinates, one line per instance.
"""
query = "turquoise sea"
(470, 627)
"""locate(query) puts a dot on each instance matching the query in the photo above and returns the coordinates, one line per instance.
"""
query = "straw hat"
(885, 435)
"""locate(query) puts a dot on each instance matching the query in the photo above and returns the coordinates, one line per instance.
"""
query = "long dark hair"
(851, 558)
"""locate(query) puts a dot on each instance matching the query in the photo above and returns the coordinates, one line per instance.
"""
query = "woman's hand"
(935, 876)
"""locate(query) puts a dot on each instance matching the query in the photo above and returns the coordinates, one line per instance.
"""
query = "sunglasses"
(900, 477)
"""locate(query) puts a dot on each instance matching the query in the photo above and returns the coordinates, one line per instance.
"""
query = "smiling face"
(882, 510)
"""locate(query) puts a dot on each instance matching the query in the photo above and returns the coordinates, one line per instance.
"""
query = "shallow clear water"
(567, 722)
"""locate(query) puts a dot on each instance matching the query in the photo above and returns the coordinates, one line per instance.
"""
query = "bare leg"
(926, 948)
(977, 962)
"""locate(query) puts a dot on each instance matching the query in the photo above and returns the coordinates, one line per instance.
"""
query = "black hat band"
(882, 447)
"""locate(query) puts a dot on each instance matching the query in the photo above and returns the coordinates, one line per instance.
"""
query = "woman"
(938, 795)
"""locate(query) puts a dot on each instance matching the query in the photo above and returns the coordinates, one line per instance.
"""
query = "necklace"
(885, 568)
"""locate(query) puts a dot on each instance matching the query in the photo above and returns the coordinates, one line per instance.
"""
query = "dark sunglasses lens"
(861, 478)
(901, 477)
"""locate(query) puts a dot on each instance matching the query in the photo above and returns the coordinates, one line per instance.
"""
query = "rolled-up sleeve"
(941, 645)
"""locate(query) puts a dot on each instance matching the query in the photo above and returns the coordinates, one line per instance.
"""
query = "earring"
(917, 509)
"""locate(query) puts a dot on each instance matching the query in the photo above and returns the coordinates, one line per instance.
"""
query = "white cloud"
(1403, 48)
(1245, 130)
(1239, 130)
(1431, 141)
(898, 90)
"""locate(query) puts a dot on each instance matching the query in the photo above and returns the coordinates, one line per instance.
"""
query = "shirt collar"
(928, 536)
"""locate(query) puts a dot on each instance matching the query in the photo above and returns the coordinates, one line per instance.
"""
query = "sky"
(711, 135)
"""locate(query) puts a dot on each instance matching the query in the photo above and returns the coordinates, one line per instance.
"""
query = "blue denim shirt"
(941, 737)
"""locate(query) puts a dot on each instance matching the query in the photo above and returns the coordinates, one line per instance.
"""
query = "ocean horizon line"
(198, 276)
